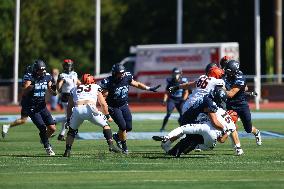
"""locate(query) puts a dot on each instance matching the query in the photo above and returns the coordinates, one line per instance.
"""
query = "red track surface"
(148, 107)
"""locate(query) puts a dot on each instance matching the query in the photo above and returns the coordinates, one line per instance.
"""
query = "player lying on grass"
(82, 106)
(212, 124)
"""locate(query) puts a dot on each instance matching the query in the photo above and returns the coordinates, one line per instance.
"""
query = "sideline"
(158, 116)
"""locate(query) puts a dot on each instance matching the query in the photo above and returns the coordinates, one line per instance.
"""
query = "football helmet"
(224, 61)
(209, 66)
(216, 72)
(39, 68)
(67, 65)
(117, 71)
(219, 96)
(87, 79)
(176, 73)
(232, 67)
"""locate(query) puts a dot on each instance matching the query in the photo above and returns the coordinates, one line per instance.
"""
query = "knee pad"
(72, 132)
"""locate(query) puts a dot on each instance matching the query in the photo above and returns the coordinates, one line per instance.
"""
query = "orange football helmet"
(87, 79)
(215, 72)
(233, 115)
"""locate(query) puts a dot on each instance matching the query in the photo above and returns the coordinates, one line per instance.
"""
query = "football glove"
(251, 94)
(154, 89)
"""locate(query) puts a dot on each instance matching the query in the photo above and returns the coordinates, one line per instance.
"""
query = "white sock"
(62, 131)
(238, 145)
(175, 133)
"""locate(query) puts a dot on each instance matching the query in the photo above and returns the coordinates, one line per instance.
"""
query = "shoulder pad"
(169, 80)
(128, 75)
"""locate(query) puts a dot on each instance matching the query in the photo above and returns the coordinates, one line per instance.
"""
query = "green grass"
(23, 163)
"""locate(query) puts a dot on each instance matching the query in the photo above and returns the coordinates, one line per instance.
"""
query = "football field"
(24, 164)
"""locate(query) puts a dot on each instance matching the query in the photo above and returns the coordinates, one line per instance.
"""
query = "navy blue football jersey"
(198, 107)
(36, 98)
(172, 82)
(117, 90)
(238, 80)
(27, 77)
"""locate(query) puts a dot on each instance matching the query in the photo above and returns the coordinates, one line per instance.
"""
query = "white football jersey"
(70, 81)
(204, 85)
(222, 116)
(85, 92)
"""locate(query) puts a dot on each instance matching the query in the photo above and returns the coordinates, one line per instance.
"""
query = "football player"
(66, 81)
(82, 106)
(214, 125)
(176, 99)
(24, 114)
(201, 87)
(34, 104)
(115, 88)
(237, 97)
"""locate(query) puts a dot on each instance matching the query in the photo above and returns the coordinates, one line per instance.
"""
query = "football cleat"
(67, 153)
(166, 145)
(5, 129)
(124, 148)
(49, 151)
(112, 148)
(197, 149)
(258, 138)
(61, 138)
(160, 138)
(239, 151)
(116, 139)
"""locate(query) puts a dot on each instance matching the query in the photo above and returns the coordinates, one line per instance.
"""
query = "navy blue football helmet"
(39, 68)
(219, 96)
(232, 68)
(176, 73)
(117, 71)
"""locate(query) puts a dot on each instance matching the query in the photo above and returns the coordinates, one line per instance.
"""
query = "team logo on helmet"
(39, 68)
(117, 71)
(232, 67)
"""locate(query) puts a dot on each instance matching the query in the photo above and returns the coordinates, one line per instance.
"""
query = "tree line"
(57, 29)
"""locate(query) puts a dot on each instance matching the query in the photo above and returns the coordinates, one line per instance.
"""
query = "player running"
(24, 114)
(115, 88)
(237, 97)
(82, 106)
(176, 99)
(66, 81)
(34, 103)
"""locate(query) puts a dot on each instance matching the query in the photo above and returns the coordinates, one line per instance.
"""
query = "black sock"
(68, 146)
(108, 136)
(44, 139)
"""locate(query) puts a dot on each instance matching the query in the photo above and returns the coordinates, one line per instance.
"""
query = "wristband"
(107, 116)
